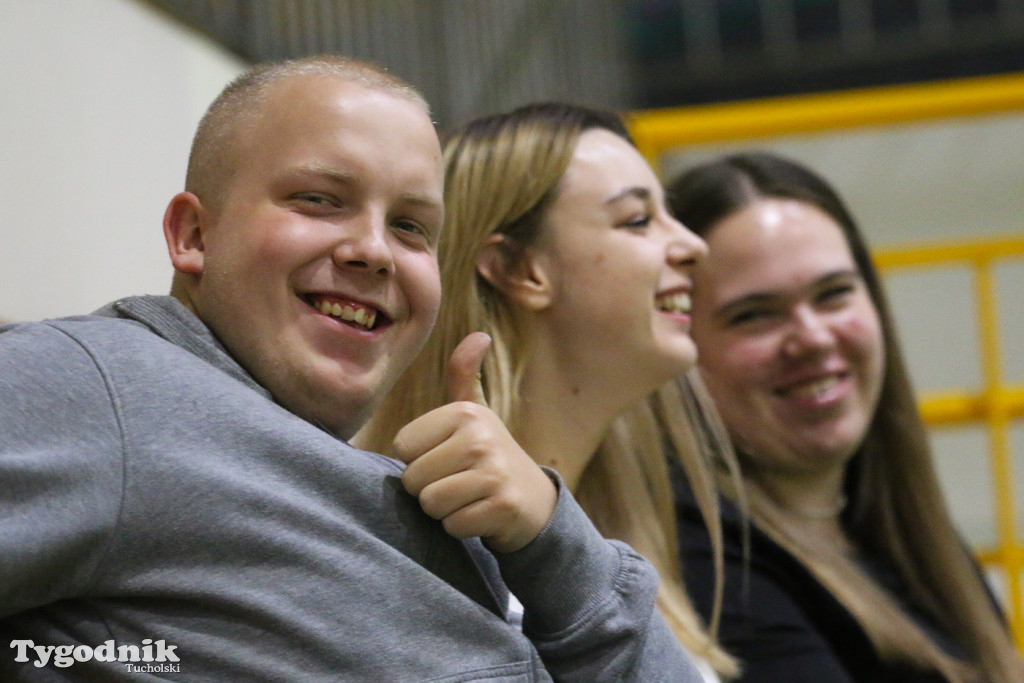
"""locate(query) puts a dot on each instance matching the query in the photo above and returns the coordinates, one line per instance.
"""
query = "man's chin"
(342, 428)
(341, 415)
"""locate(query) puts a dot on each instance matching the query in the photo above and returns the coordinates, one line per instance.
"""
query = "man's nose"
(365, 246)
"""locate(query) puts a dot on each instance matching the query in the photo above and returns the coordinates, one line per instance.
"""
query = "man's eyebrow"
(639, 192)
(326, 172)
(425, 200)
(347, 178)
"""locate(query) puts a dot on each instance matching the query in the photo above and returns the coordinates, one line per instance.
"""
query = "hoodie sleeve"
(589, 604)
(60, 467)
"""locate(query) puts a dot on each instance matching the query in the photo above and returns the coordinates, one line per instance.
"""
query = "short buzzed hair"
(214, 150)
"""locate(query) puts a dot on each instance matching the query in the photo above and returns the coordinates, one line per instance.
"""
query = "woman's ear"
(184, 224)
(528, 282)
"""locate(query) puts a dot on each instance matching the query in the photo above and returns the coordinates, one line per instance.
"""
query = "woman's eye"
(749, 316)
(637, 222)
(835, 294)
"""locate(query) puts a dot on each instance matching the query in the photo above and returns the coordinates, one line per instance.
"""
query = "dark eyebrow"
(769, 296)
(727, 309)
(641, 193)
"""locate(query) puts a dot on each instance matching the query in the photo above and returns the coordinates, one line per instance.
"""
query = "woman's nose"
(684, 246)
(808, 333)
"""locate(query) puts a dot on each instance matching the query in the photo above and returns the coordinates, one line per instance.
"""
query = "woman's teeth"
(674, 303)
(814, 388)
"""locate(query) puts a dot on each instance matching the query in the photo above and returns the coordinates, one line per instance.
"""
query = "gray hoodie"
(155, 500)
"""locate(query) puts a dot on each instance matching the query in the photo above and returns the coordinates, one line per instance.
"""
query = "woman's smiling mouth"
(678, 302)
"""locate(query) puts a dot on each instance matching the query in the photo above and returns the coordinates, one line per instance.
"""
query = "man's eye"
(411, 227)
(415, 233)
(316, 199)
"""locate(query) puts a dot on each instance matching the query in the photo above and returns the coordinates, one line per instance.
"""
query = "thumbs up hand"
(465, 467)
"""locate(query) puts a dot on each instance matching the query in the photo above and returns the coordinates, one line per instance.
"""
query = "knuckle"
(506, 504)
(456, 525)
(478, 449)
(466, 410)
(431, 503)
(400, 445)
(493, 482)
(411, 482)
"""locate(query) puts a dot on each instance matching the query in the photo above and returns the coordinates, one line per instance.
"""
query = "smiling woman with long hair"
(855, 571)
(558, 244)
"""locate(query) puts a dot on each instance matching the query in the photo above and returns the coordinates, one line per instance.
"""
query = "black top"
(777, 619)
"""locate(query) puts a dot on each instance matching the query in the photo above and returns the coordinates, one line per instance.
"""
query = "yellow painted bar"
(950, 252)
(657, 130)
(998, 436)
(1012, 555)
(994, 406)
(953, 408)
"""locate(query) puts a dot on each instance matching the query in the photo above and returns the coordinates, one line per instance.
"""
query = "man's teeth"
(674, 303)
(360, 316)
(814, 388)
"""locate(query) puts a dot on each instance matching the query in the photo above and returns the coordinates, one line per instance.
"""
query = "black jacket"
(783, 625)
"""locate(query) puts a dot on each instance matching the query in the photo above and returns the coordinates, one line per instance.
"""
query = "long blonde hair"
(896, 506)
(502, 173)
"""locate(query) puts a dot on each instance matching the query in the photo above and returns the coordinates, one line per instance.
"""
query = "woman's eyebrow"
(742, 301)
(641, 193)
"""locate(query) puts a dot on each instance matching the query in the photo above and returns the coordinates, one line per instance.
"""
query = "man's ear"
(184, 224)
(529, 281)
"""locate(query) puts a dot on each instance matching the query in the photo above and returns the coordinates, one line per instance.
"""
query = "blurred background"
(100, 99)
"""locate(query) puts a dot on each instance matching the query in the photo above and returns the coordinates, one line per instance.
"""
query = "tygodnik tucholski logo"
(149, 657)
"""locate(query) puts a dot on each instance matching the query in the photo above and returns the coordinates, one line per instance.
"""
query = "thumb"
(463, 375)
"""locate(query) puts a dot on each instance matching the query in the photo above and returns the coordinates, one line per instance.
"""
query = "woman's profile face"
(791, 344)
(620, 269)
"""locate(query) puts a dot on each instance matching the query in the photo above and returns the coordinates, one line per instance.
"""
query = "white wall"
(100, 99)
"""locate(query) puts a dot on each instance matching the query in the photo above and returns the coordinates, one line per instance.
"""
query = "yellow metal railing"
(993, 404)
(658, 130)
